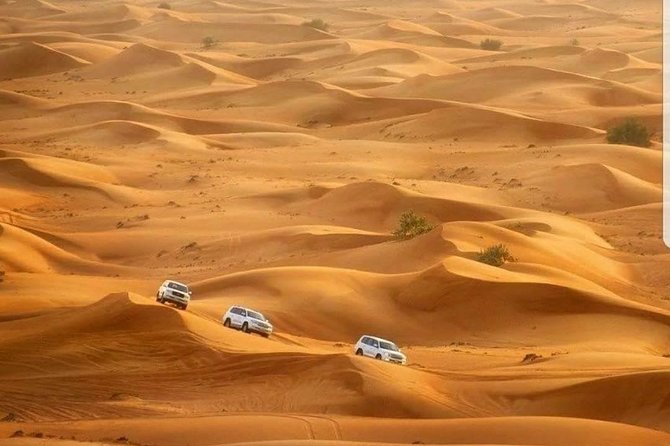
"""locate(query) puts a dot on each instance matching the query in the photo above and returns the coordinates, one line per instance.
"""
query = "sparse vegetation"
(531, 357)
(491, 44)
(631, 132)
(164, 5)
(208, 42)
(318, 24)
(496, 255)
(574, 42)
(411, 225)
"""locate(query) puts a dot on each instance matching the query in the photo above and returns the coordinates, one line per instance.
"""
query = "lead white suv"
(174, 292)
(249, 321)
(379, 348)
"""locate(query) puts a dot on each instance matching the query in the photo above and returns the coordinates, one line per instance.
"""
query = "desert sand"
(270, 170)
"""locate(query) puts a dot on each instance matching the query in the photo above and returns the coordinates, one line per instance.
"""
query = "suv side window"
(235, 310)
(375, 343)
(366, 341)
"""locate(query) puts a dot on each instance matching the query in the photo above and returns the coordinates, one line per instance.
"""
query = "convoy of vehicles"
(251, 321)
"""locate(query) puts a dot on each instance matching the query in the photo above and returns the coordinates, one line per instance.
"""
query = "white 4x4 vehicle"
(174, 292)
(380, 349)
(249, 321)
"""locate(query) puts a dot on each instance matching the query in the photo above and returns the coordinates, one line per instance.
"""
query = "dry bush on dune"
(208, 42)
(631, 132)
(410, 225)
(574, 42)
(491, 44)
(318, 24)
(496, 255)
(164, 5)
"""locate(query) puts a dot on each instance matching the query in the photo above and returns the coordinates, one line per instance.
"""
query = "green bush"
(410, 225)
(208, 42)
(491, 44)
(631, 132)
(318, 24)
(165, 5)
(496, 255)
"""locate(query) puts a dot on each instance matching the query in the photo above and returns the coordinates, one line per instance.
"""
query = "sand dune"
(150, 67)
(611, 402)
(266, 154)
(18, 105)
(134, 123)
(49, 177)
(137, 59)
(173, 30)
(605, 188)
(253, 68)
(503, 430)
(450, 24)
(40, 253)
(29, 9)
(20, 61)
(107, 13)
(90, 52)
(84, 28)
(504, 85)
(429, 296)
(406, 32)
(473, 123)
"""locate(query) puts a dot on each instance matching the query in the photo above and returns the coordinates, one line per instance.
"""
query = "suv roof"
(178, 283)
(243, 308)
(377, 338)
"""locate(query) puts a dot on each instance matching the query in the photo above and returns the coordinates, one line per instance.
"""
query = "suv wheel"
(183, 306)
(245, 327)
(226, 323)
(359, 352)
(378, 356)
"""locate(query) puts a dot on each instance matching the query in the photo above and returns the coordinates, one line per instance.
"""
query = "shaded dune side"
(34, 59)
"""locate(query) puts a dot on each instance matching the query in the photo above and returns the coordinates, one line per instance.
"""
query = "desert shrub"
(496, 255)
(630, 131)
(208, 42)
(318, 24)
(491, 44)
(574, 42)
(164, 5)
(410, 225)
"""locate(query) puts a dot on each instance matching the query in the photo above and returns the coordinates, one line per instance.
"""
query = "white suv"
(174, 292)
(249, 321)
(380, 349)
